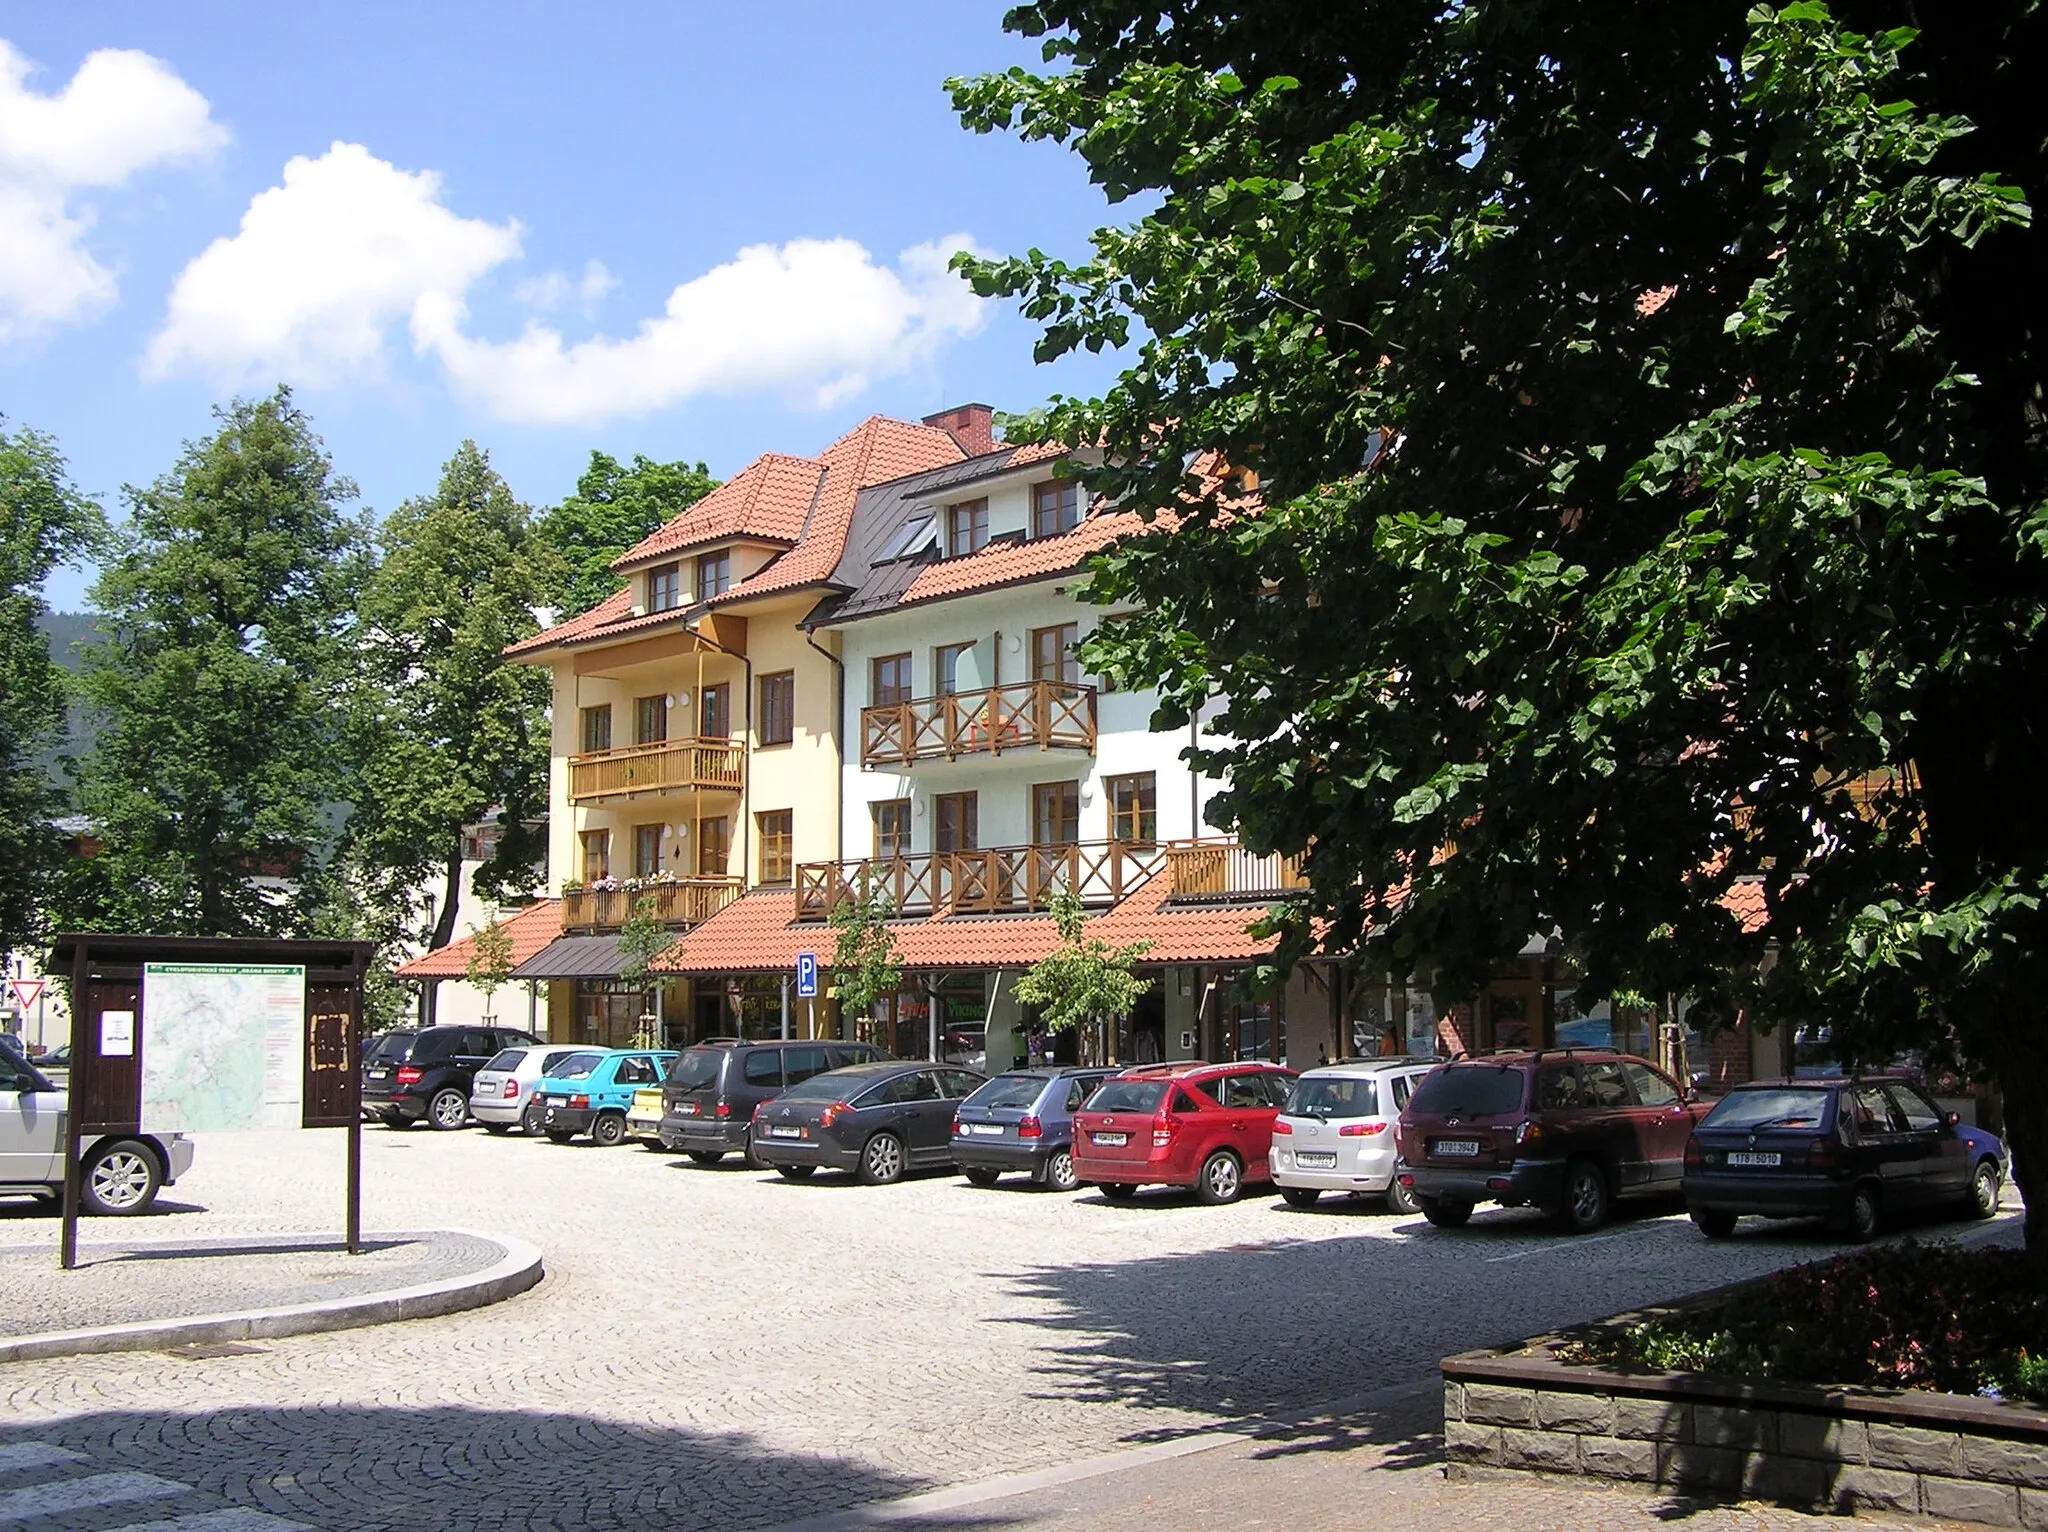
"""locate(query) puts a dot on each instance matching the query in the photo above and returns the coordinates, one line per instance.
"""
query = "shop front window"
(608, 1012)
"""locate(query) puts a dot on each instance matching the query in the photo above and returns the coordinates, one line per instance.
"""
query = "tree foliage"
(866, 967)
(613, 508)
(642, 939)
(1645, 403)
(1085, 980)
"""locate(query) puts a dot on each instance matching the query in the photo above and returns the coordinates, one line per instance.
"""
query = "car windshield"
(1772, 1108)
(1128, 1096)
(826, 1087)
(506, 1059)
(1008, 1090)
(576, 1066)
(696, 1069)
(1333, 1096)
(1469, 1090)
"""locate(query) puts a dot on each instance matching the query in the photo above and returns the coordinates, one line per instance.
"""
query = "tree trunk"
(451, 899)
(2021, 1070)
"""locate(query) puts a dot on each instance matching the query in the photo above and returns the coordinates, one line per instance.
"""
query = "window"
(956, 826)
(1052, 654)
(1055, 813)
(764, 1067)
(946, 666)
(714, 574)
(650, 720)
(714, 848)
(966, 528)
(1055, 508)
(802, 1063)
(597, 727)
(715, 711)
(665, 588)
(1603, 1083)
(892, 828)
(777, 837)
(646, 850)
(1652, 1089)
(1134, 809)
(914, 536)
(1918, 1113)
(889, 680)
(778, 708)
(597, 855)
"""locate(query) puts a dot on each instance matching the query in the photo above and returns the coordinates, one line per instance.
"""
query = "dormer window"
(665, 588)
(966, 528)
(1055, 507)
(714, 574)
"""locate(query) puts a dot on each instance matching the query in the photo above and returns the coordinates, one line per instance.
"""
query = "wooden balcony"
(1003, 879)
(1028, 715)
(679, 905)
(666, 766)
(1221, 871)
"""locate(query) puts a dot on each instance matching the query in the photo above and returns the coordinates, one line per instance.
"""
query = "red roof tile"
(769, 499)
(1011, 563)
(532, 929)
(1181, 933)
(608, 611)
(1745, 900)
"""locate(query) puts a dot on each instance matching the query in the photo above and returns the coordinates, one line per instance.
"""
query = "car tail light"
(956, 1124)
(723, 1109)
(1825, 1154)
(1407, 1179)
(1282, 1128)
(578, 1103)
(1030, 1127)
(1361, 1130)
(1498, 1183)
(1694, 1159)
(759, 1109)
(511, 1090)
(833, 1113)
(1162, 1132)
(408, 1075)
(1529, 1135)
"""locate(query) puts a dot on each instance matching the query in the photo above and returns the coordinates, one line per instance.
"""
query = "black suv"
(409, 1076)
(711, 1091)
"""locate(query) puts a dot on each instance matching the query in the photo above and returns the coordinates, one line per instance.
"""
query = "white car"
(120, 1173)
(501, 1089)
(1336, 1133)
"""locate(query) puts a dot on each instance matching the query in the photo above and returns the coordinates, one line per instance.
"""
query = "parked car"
(1853, 1151)
(591, 1090)
(499, 1094)
(427, 1074)
(119, 1173)
(1336, 1133)
(709, 1098)
(877, 1119)
(1024, 1121)
(1566, 1130)
(1209, 1126)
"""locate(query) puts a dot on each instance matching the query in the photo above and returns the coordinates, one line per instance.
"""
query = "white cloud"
(557, 289)
(320, 268)
(122, 113)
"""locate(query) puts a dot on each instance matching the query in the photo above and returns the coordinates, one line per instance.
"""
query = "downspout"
(839, 735)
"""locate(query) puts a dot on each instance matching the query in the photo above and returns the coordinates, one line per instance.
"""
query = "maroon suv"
(1566, 1130)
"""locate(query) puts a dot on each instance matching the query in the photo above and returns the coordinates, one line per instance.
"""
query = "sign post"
(806, 991)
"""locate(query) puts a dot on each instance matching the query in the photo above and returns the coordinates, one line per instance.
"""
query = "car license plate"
(1759, 1160)
(1111, 1140)
(785, 1132)
(686, 1109)
(380, 1074)
(1460, 1148)
(985, 1129)
(1311, 1160)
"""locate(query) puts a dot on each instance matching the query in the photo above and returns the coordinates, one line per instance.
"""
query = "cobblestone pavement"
(719, 1348)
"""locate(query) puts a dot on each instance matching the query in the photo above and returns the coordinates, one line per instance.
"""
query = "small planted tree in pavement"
(642, 939)
(1085, 981)
(490, 962)
(866, 966)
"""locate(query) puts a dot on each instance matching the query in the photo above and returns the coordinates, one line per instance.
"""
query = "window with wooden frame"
(714, 574)
(597, 728)
(665, 588)
(714, 848)
(1055, 813)
(1055, 507)
(966, 528)
(778, 708)
(892, 828)
(646, 850)
(650, 720)
(889, 680)
(775, 833)
(597, 855)
(1133, 808)
(1052, 653)
(946, 667)
(714, 711)
(956, 822)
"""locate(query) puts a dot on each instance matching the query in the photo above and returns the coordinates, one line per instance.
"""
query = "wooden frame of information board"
(105, 973)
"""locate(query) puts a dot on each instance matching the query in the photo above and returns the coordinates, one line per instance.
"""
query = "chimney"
(972, 427)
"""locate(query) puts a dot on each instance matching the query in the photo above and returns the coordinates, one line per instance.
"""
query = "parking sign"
(807, 976)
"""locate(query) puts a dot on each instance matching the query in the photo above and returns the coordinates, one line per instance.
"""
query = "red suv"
(1566, 1130)
(1208, 1126)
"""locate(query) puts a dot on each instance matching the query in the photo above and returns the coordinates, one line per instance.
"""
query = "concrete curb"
(517, 1270)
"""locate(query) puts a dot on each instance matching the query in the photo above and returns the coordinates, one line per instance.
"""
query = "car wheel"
(881, 1162)
(608, 1130)
(1119, 1191)
(498, 1129)
(448, 1110)
(1058, 1173)
(120, 1178)
(1985, 1187)
(1865, 1215)
(530, 1122)
(559, 1136)
(1713, 1223)
(1402, 1199)
(796, 1172)
(1446, 1215)
(1301, 1196)
(981, 1175)
(1221, 1179)
(706, 1156)
(1583, 1208)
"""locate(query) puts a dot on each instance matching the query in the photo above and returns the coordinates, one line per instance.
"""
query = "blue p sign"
(806, 975)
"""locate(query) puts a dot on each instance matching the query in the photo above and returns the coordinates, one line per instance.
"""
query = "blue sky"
(519, 223)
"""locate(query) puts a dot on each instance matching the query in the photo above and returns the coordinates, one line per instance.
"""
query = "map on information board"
(224, 1046)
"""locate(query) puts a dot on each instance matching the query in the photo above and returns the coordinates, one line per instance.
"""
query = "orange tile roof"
(1012, 563)
(769, 499)
(532, 929)
(1745, 900)
(1181, 933)
(618, 604)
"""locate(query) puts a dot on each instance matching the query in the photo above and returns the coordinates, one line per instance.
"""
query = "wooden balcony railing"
(1222, 870)
(1001, 879)
(1042, 715)
(688, 903)
(670, 765)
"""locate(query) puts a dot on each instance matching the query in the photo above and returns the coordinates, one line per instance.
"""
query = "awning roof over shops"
(573, 957)
(531, 930)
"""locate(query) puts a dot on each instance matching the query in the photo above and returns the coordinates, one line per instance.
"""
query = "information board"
(226, 1046)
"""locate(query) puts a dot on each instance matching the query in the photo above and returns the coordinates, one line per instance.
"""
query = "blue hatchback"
(1023, 1121)
(590, 1091)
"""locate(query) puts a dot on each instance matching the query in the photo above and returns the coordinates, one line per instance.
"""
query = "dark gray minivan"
(711, 1092)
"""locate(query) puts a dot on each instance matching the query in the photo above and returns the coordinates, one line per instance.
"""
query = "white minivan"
(1336, 1133)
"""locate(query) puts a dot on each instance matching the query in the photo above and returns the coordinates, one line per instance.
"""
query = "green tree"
(642, 939)
(614, 507)
(1645, 403)
(447, 732)
(1085, 981)
(226, 606)
(490, 959)
(866, 967)
(44, 522)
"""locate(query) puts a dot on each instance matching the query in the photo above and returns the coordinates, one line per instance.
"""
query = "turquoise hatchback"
(591, 1090)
